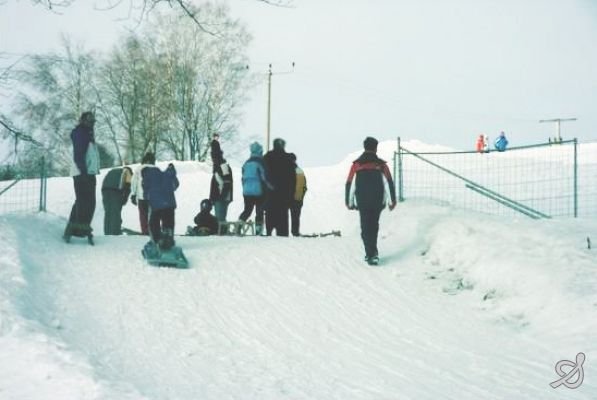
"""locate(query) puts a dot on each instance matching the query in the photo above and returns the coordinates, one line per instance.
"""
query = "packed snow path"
(281, 318)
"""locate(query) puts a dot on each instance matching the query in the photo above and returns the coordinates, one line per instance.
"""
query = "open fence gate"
(538, 181)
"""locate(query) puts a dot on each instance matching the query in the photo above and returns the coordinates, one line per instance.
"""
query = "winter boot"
(373, 260)
(258, 229)
(166, 241)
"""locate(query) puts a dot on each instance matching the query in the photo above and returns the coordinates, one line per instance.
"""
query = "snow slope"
(465, 306)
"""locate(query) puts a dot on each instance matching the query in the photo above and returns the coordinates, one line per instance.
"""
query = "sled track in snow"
(267, 318)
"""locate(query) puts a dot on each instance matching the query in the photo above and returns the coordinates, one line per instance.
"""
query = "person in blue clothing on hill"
(501, 142)
(158, 189)
(255, 184)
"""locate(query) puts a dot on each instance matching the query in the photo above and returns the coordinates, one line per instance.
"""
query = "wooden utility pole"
(269, 103)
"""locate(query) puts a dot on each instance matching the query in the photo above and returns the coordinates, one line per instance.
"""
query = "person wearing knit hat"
(366, 192)
(255, 184)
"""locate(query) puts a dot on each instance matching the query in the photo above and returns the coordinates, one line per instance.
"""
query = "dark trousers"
(143, 206)
(295, 217)
(112, 199)
(369, 230)
(277, 218)
(79, 222)
(160, 220)
(250, 203)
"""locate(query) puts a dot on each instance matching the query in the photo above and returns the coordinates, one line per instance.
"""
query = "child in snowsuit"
(501, 142)
(205, 223)
(480, 146)
(115, 193)
(254, 187)
(158, 189)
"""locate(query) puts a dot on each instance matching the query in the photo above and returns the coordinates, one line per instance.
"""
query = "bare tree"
(140, 9)
(207, 77)
(54, 90)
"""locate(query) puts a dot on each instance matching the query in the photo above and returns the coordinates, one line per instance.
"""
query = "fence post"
(42, 185)
(400, 176)
(575, 178)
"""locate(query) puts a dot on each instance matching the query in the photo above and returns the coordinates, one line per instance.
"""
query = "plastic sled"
(173, 257)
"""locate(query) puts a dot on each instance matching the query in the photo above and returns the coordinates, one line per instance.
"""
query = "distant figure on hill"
(366, 192)
(480, 145)
(86, 165)
(116, 187)
(501, 143)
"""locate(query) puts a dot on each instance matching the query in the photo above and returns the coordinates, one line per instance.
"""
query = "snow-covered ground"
(464, 306)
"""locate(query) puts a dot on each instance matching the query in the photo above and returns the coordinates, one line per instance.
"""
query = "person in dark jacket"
(137, 192)
(281, 174)
(366, 191)
(86, 165)
(255, 185)
(205, 222)
(158, 189)
(220, 190)
(116, 188)
(215, 150)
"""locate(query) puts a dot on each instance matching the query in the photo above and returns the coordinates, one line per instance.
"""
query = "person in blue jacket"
(158, 189)
(501, 142)
(255, 184)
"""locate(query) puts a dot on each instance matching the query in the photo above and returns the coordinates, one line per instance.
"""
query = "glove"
(392, 206)
(134, 199)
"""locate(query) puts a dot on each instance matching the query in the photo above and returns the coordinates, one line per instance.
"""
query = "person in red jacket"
(480, 147)
(366, 191)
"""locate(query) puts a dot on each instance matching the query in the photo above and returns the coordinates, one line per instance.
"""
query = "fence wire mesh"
(19, 195)
(554, 180)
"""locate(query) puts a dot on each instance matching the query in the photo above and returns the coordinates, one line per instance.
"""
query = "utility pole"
(558, 121)
(269, 103)
(269, 107)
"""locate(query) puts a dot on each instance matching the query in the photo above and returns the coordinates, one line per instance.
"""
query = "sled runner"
(76, 230)
(239, 228)
(129, 232)
(315, 235)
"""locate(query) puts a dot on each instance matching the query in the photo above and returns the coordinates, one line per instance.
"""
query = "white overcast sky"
(434, 70)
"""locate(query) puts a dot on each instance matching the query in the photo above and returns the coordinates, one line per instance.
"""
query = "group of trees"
(165, 87)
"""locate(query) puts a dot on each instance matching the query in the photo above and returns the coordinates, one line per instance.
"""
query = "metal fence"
(540, 181)
(24, 194)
